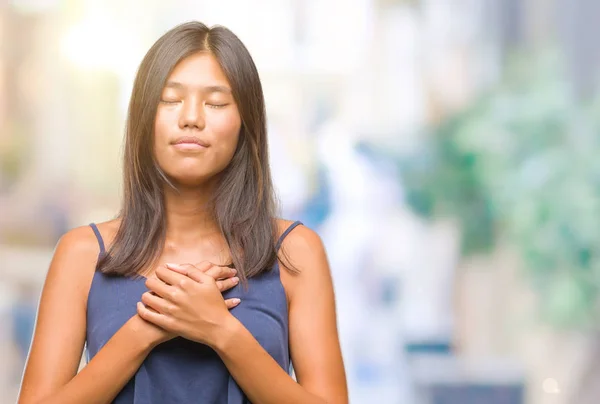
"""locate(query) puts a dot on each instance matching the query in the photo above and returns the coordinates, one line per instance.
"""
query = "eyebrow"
(207, 89)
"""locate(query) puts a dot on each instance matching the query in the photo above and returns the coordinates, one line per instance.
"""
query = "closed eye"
(170, 102)
(217, 106)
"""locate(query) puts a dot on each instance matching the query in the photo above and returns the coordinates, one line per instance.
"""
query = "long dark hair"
(243, 204)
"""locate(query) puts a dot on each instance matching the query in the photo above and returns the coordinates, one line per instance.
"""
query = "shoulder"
(74, 260)
(301, 243)
(73, 265)
(77, 250)
(79, 241)
(304, 259)
(82, 241)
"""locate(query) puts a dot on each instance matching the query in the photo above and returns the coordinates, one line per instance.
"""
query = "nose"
(192, 116)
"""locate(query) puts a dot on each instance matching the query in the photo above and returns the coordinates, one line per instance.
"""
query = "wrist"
(226, 333)
(140, 332)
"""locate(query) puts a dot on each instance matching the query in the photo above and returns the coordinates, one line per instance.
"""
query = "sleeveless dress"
(179, 370)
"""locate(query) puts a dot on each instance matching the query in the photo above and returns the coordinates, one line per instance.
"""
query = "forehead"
(199, 70)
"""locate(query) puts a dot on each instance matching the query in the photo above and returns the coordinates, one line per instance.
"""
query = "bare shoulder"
(75, 258)
(304, 259)
(80, 242)
(301, 243)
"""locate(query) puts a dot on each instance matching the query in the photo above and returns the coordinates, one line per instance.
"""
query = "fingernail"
(236, 301)
(234, 270)
(172, 265)
(235, 279)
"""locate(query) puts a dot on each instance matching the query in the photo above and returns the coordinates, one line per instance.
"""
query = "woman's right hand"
(149, 334)
(225, 276)
(153, 335)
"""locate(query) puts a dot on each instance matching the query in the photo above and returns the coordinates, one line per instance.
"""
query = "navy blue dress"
(179, 370)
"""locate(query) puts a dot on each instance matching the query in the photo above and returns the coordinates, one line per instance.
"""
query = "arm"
(51, 370)
(314, 342)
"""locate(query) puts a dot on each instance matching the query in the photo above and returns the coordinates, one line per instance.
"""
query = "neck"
(189, 218)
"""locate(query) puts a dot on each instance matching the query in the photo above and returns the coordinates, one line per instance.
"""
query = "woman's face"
(197, 122)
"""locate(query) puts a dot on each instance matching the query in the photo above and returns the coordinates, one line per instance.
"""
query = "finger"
(185, 268)
(227, 284)
(153, 317)
(193, 273)
(157, 303)
(231, 303)
(160, 288)
(204, 266)
(219, 272)
(164, 273)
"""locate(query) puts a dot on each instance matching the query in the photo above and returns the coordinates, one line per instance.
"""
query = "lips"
(190, 140)
(189, 144)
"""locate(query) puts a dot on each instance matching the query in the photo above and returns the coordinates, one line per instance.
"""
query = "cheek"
(226, 131)
(160, 133)
(163, 123)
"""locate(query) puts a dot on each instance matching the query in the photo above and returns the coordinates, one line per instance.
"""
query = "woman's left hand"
(186, 301)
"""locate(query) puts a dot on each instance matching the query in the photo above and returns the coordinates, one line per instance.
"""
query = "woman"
(197, 189)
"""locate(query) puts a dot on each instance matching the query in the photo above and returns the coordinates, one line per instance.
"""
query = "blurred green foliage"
(522, 165)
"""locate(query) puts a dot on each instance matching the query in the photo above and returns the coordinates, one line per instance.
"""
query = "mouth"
(189, 143)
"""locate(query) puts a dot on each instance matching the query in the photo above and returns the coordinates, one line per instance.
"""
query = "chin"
(188, 181)
(192, 175)
(192, 179)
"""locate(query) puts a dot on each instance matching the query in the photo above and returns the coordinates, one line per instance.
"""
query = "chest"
(213, 249)
(263, 310)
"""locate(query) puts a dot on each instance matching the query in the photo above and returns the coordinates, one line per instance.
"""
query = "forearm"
(261, 378)
(108, 372)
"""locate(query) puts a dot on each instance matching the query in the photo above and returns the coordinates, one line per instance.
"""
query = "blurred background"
(445, 150)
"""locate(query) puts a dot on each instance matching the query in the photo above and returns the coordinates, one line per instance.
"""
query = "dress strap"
(99, 237)
(285, 233)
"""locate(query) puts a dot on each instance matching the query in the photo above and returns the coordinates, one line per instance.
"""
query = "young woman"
(196, 293)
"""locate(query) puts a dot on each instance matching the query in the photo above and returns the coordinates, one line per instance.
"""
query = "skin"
(186, 299)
